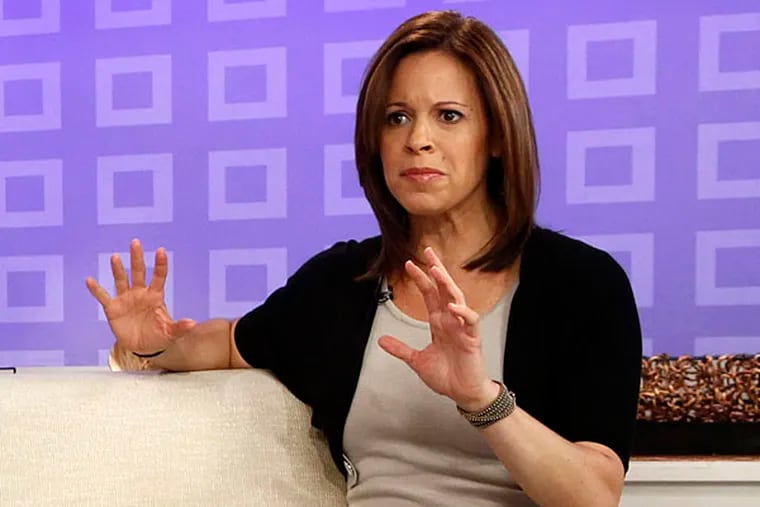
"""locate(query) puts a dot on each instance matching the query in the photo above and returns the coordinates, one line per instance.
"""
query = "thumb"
(398, 349)
(180, 328)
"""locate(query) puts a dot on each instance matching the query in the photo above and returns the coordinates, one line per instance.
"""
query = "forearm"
(205, 347)
(552, 470)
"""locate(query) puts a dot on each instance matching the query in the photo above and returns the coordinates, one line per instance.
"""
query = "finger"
(180, 328)
(160, 271)
(397, 349)
(426, 286)
(432, 257)
(120, 279)
(137, 263)
(467, 314)
(444, 281)
(448, 290)
(97, 291)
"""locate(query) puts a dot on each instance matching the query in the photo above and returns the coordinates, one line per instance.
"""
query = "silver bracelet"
(501, 407)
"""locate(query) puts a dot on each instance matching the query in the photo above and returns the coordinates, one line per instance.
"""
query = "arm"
(207, 346)
(552, 470)
(586, 465)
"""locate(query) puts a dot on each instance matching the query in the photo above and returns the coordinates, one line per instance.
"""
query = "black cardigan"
(573, 349)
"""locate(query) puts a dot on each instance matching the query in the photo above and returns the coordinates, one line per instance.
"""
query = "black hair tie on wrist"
(148, 356)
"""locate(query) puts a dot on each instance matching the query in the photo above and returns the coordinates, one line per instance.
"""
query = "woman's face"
(434, 142)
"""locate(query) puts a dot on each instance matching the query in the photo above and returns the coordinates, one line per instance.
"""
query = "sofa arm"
(89, 436)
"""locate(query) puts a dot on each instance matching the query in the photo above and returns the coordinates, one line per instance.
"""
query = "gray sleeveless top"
(406, 445)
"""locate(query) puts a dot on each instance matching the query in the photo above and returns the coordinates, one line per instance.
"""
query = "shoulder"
(554, 255)
(344, 259)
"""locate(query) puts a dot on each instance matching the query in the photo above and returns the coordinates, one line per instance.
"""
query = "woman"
(465, 356)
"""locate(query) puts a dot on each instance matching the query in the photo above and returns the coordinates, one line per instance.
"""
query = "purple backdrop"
(222, 130)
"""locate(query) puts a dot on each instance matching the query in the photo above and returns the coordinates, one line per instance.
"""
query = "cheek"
(386, 160)
(471, 150)
(390, 139)
(389, 152)
(385, 148)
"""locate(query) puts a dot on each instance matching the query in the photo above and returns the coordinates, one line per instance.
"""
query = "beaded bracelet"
(501, 407)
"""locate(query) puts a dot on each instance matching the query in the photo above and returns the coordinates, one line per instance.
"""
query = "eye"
(396, 118)
(450, 116)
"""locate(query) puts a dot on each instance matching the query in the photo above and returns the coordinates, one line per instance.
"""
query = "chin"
(423, 206)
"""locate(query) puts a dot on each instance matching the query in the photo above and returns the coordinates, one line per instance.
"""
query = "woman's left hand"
(452, 365)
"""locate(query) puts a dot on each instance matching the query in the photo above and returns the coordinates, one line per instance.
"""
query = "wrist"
(121, 359)
(486, 395)
(149, 356)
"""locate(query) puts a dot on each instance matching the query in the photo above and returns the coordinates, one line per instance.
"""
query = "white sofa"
(89, 436)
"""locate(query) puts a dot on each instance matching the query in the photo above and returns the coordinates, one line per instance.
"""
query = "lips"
(421, 171)
(421, 175)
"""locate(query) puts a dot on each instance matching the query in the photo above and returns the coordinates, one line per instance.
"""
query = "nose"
(419, 139)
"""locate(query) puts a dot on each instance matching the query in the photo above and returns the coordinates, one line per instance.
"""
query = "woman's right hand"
(137, 314)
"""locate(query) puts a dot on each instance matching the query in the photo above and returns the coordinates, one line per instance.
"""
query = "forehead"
(431, 74)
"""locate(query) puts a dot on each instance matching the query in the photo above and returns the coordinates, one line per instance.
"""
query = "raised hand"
(137, 314)
(452, 365)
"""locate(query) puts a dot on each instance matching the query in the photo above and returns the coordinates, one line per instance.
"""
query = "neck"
(456, 237)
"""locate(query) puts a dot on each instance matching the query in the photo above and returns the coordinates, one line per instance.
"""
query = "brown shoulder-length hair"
(512, 177)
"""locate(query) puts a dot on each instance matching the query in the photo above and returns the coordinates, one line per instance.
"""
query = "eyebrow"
(437, 104)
